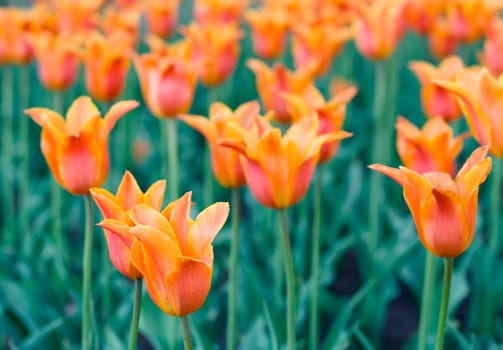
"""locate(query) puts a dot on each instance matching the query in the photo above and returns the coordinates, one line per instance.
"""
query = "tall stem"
(24, 136)
(427, 297)
(86, 275)
(7, 152)
(211, 97)
(172, 153)
(133, 333)
(315, 260)
(187, 340)
(290, 280)
(445, 304)
(233, 267)
(56, 227)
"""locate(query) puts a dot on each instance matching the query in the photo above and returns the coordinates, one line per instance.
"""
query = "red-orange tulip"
(218, 11)
(433, 148)
(278, 168)
(76, 149)
(444, 209)
(161, 16)
(173, 252)
(17, 26)
(437, 101)
(117, 207)
(224, 161)
(492, 54)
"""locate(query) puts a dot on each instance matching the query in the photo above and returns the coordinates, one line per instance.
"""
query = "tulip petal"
(203, 125)
(80, 112)
(117, 111)
(119, 228)
(46, 117)
(155, 194)
(393, 173)
(178, 214)
(143, 214)
(107, 203)
(129, 193)
(475, 158)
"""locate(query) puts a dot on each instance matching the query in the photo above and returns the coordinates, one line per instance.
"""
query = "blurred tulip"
(106, 61)
(121, 22)
(215, 50)
(379, 26)
(219, 11)
(57, 59)
(161, 16)
(76, 149)
(17, 26)
(117, 207)
(491, 55)
(466, 19)
(173, 252)
(433, 148)
(167, 79)
(279, 169)
(444, 209)
(224, 161)
(437, 101)
(422, 14)
(273, 82)
(481, 98)
(441, 40)
(269, 29)
(77, 16)
(331, 114)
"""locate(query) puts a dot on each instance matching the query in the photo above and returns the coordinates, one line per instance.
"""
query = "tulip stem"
(426, 299)
(7, 153)
(86, 275)
(445, 304)
(315, 260)
(233, 265)
(172, 161)
(24, 163)
(187, 340)
(133, 333)
(290, 280)
(56, 191)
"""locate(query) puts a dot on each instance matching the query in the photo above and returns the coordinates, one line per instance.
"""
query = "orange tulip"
(77, 16)
(219, 11)
(121, 22)
(117, 207)
(279, 169)
(491, 55)
(76, 149)
(17, 26)
(331, 114)
(422, 14)
(272, 83)
(433, 148)
(467, 18)
(481, 99)
(379, 26)
(435, 99)
(167, 79)
(215, 50)
(269, 29)
(444, 209)
(161, 16)
(441, 40)
(173, 252)
(224, 161)
(106, 61)
(58, 59)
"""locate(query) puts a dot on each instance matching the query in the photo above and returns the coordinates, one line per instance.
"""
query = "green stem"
(24, 166)
(7, 152)
(445, 304)
(133, 333)
(211, 97)
(187, 340)
(315, 261)
(233, 267)
(56, 191)
(86, 275)
(426, 300)
(172, 153)
(290, 280)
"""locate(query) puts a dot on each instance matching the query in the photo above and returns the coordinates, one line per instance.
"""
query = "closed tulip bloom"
(76, 149)
(433, 148)
(117, 207)
(161, 16)
(437, 101)
(444, 209)
(481, 98)
(106, 62)
(279, 168)
(173, 252)
(168, 82)
(224, 161)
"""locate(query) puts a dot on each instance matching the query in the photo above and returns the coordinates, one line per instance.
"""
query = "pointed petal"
(80, 112)
(45, 117)
(117, 111)
(129, 193)
(155, 194)
(142, 214)
(476, 156)
(393, 173)
(107, 203)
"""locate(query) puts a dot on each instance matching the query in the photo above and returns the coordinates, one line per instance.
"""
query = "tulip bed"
(371, 278)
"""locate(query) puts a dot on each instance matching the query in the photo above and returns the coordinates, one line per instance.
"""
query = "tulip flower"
(331, 114)
(467, 18)
(161, 16)
(15, 46)
(279, 168)
(167, 79)
(491, 55)
(57, 59)
(106, 64)
(379, 26)
(117, 207)
(422, 14)
(272, 83)
(218, 11)
(435, 99)
(121, 22)
(433, 148)
(215, 50)
(269, 29)
(76, 149)
(77, 16)
(224, 161)
(173, 252)
(441, 40)
(444, 209)
(480, 96)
